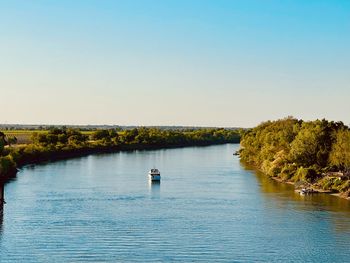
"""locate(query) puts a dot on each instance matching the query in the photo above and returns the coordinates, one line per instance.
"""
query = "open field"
(24, 136)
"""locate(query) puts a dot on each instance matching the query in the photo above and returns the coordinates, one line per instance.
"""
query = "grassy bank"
(313, 154)
(56, 144)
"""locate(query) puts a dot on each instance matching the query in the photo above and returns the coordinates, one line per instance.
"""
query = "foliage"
(305, 175)
(2, 142)
(6, 161)
(59, 137)
(11, 140)
(62, 142)
(340, 154)
(106, 137)
(6, 164)
(161, 137)
(295, 150)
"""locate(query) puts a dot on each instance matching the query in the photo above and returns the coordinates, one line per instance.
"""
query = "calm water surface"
(209, 208)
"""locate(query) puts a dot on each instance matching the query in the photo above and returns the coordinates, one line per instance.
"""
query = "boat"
(154, 174)
(305, 191)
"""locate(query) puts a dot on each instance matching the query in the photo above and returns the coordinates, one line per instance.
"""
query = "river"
(208, 207)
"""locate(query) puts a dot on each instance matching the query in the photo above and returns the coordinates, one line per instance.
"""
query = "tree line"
(66, 142)
(144, 136)
(301, 151)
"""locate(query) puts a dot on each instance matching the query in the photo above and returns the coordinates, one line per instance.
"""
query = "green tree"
(130, 135)
(305, 147)
(11, 140)
(340, 154)
(2, 142)
(62, 138)
(100, 135)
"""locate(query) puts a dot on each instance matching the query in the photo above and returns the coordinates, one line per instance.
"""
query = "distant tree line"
(143, 136)
(299, 151)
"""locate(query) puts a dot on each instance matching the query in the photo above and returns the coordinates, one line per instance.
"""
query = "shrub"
(288, 171)
(326, 183)
(305, 174)
(6, 164)
(345, 186)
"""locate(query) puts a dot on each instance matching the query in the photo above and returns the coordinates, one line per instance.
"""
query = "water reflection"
(283, 196)
(104, 209)
(1, 216)
(281, 192)
(154, 187)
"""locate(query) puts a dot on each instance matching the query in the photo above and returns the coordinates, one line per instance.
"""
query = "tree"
(130, 135)
(313, 143)
(340, 154)
(304, 147)
(2, 141)
(11, 140)
(62, 138)
(100, 135)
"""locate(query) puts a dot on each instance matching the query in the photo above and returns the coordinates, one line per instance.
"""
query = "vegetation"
(7, 165)
(313, 152)
(57, 143)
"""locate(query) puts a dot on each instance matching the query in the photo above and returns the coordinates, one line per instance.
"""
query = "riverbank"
(299, 185)
(205, 200)
(51, 156)
(314, 189)
(313, 155)
(62, 143)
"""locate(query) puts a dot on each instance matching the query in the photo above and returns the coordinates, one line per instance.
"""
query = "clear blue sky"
(162, 62)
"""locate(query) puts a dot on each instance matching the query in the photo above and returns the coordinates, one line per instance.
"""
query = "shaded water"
(101, 208)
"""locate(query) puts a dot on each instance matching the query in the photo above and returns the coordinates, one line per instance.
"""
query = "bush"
(100, 135)
(345, 186)
(288, 171)
(326, 183)
(305, 174)
(6, 164)
(300, 151)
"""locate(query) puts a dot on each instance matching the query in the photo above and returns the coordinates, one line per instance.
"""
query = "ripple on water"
(102, 209)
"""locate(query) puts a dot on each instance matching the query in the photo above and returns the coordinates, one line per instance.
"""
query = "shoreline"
(312, 154)
(315, 189)
(81, 152)
(277, 179)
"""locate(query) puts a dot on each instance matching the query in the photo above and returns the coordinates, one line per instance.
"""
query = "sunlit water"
(209, 208)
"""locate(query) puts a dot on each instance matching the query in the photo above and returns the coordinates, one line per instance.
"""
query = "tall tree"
(340, 154)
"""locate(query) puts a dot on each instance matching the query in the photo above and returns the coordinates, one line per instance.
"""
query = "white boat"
(154, 174)
(305, 191)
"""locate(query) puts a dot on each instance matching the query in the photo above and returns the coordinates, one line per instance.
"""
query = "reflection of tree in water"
(283, 196)
(268, 185)
(1, 217)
